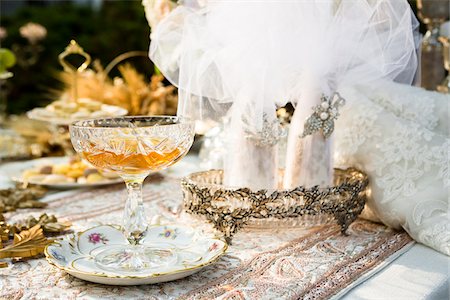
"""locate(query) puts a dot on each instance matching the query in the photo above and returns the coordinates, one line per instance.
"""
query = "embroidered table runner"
(285, 263)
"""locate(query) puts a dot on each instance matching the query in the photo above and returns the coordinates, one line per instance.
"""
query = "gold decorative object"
(26, 244)
(433, 13)
(445, 85)
(131, 91)
(21, 197)
(4, 231)
(48, 223)
(74, 49)
(28, 236)
(284, 115)
(229, 209)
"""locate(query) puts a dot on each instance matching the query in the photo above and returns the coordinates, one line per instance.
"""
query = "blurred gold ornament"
(48, 223)
(131, 91)
(26, 244)
(444, 87)
(74, 49)
(4, 231)
(28, 236)
(21, 197)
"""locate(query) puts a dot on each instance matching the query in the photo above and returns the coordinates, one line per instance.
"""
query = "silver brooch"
(323, 116)
(269, 135)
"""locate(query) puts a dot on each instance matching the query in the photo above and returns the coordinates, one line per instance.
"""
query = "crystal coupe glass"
(132, 147)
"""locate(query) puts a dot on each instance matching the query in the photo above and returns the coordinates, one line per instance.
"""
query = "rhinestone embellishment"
(269, 135)
(323, 116)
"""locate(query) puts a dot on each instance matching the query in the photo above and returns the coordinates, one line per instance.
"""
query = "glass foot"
(134, 258)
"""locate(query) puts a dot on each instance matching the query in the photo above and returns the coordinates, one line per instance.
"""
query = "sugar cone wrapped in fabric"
(309, 160)
(187, 47)
(253, 56)
(252, 159)
(309, 157)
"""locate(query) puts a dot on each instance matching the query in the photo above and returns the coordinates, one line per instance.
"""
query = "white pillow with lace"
(399, 135)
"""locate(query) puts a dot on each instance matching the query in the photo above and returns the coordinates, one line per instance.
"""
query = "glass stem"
(134, 219)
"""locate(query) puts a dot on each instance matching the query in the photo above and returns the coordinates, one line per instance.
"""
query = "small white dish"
(70, 185)
(18, 168)
(75, 254)
(41, 114)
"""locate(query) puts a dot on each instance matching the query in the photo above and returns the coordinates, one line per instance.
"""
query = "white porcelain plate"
(194, 251)
(16, 170)
(41, 114)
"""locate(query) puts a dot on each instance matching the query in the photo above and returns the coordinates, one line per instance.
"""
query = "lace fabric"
(399, 135)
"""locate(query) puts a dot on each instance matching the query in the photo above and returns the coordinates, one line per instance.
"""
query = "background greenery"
(116, 27)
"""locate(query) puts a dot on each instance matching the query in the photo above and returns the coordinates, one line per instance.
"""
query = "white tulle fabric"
(256, 53)
(399, 135)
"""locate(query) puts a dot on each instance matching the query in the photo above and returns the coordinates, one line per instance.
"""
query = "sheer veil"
(256, 55)
(231, 51)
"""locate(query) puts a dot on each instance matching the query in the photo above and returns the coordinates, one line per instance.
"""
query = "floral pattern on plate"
(75, 254)
(169, 233)
(95, 238)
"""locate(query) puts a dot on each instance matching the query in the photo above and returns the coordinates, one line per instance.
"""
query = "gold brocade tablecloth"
(287, 263)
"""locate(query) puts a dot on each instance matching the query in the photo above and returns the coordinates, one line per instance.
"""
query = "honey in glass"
(132, 156)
